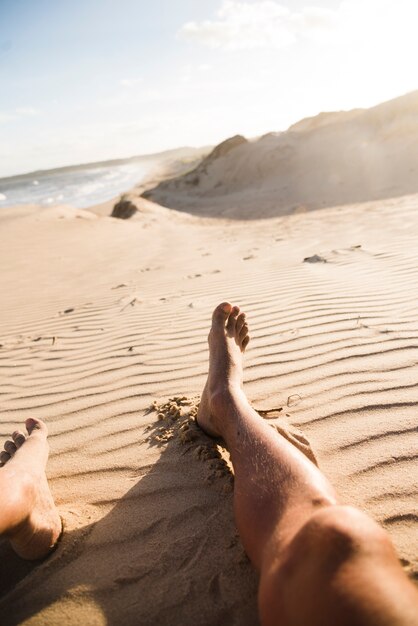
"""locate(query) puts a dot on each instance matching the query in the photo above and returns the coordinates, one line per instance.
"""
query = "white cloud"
(26, 111)
(129, 97)
(262, 24)
(6, 117)
(131, 82)
(241, 24)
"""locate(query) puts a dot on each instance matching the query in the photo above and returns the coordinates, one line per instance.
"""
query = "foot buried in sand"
(28, 515)
(228, 338)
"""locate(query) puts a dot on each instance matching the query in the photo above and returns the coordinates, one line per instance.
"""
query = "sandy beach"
(103, 317)
(209, 313)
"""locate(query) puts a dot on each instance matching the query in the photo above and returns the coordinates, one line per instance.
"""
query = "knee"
(335, 534)
(332, 539)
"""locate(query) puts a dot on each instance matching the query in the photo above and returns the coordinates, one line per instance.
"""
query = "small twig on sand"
(293, 399)
(266, 413)
(131, 303)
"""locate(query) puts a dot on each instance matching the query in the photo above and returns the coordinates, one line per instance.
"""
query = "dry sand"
(328, 160)
(100, 317)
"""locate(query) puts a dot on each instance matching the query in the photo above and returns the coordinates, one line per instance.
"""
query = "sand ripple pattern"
(334, 343)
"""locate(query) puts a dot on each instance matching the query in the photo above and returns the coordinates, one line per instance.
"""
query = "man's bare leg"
(28, 516)
(320, 562)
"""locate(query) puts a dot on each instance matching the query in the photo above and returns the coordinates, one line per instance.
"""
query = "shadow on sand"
(166, 553)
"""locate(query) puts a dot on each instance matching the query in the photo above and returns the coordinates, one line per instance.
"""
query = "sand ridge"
(331, 159)
(103, 316)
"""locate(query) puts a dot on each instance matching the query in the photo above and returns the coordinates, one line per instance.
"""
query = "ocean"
(79, 186)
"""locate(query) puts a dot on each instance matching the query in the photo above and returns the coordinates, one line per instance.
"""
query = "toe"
(245, 342)
(4, 457)
(34, 425)
(240, 322)
(232, 320)
(10, 447)
(220, 314)
(19, 438)
(243, 332)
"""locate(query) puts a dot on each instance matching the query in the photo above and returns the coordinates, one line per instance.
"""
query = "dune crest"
(327, 160)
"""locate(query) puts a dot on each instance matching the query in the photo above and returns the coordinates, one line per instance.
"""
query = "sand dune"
(104, 316)
(324, 161)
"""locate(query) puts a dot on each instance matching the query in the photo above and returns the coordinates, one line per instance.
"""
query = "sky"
(89, 80)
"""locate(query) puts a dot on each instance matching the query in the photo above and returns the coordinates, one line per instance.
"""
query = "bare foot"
(28, 516)
(228, 338)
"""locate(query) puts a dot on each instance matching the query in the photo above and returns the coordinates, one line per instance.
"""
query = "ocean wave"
(79, 188)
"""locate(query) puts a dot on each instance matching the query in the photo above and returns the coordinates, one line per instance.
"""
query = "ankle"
(224, 402)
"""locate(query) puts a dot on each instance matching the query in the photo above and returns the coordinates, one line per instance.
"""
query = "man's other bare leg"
(28, 516)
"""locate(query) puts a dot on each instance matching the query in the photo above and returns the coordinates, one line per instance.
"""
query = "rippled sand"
(100, 317)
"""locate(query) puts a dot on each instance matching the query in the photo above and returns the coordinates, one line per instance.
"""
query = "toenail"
(222, 311)
(10, 447)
